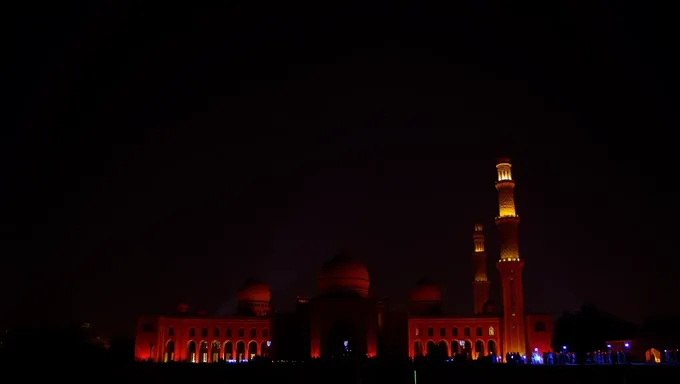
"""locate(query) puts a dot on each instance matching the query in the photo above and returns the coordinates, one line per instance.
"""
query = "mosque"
(344, 319)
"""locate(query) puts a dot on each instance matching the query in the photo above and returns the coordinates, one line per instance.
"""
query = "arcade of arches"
(217, 351)
(344, 297)
(447, 338)
(209, 340)
(446, 348)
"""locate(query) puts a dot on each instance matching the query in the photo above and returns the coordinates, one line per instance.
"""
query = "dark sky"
(159, 153)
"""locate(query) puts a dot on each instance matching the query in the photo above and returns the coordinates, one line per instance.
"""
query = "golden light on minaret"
(507, 219)
(506, 189)
(478, 238)
(479, 254)
(480, 285)
(510, 265)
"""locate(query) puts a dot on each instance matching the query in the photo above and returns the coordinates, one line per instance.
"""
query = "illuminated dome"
(343, 274)
(182, 308)
(426, 290)
(254, 291)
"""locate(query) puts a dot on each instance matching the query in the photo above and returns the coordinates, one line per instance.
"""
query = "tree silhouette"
(661, 332)
(588, 330)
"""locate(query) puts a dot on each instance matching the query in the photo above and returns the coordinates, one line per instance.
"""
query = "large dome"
(426, 290)
(254, 290)
(344, 274)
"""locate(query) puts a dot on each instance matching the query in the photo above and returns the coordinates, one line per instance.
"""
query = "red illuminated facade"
(344, 319)
(481, 286)
(488, 332)
(196, 337)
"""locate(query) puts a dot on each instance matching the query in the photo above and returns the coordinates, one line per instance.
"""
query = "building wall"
(451, 331)
(147, 338)
(539, 332)
(155, 336)
(358, 315)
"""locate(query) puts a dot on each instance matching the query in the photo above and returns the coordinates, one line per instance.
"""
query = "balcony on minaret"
(479, 255)
(505, 187)
(504, 169)
(478, 238)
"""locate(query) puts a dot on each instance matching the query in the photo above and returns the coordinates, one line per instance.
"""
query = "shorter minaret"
(481, 285)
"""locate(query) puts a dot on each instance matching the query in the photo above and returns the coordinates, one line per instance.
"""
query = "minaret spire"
(480, 284)
(510, 264)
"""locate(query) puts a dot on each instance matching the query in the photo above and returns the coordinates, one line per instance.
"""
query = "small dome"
(344, 274)
(182, 308)
(254, 290)
(426, 290)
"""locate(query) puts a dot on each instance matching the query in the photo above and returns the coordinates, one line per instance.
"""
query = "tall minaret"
(510, 265)
(480, 285)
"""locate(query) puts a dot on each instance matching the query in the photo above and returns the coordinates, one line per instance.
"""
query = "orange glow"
(478, 238)
(183, 344)
(504, 171)
(506, 199)
(507, 220)
(199, 338)
(480, 286)
(507, 231)
(539, 336)
(418, 344)
(512, 293)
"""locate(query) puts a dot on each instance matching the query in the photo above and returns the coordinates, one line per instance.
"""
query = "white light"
(269, 343)
(564, 347)
(345, 343)
(535, 349)
(462, 343)
(609, 345)
(626, 345)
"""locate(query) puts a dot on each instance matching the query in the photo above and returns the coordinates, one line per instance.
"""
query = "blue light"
(626, 345)
(609, 345)
(564, 347)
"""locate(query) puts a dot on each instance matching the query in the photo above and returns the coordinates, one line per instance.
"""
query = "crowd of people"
(566, 358)
(595, 357)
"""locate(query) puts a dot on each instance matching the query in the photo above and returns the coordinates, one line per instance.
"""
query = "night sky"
(159, 153)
